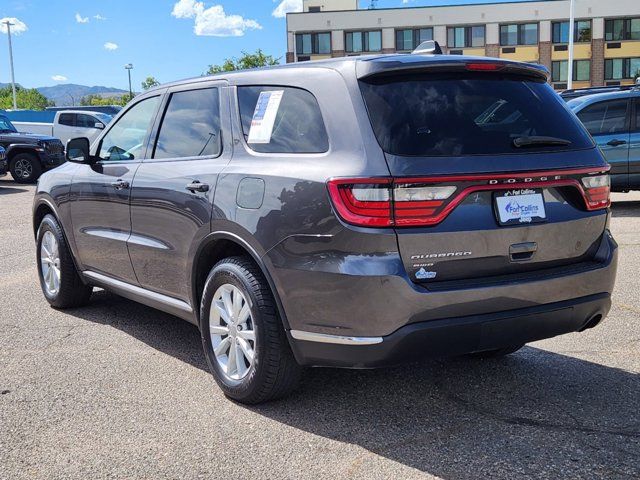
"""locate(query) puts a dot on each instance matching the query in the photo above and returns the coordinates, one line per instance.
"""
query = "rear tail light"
(407, 202)
(485, 66)
(597, 191)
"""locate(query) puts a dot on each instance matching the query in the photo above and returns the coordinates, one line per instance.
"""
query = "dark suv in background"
(352, 212)
(28, 154)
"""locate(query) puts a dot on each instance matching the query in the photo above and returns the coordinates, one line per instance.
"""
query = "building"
(606, 34)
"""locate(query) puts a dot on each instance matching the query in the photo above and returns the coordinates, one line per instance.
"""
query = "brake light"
(417, 204)
(363, 202)
(597, 190)
(484, 67)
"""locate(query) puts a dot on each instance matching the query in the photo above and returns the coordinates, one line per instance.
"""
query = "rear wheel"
(25, 168)
(242, 335)
(497, 353)
(59, 279)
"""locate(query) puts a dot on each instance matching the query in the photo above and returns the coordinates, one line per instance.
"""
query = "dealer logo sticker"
(422, 274)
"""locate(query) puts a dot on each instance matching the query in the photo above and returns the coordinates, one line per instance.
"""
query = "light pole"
(571, 33)
(129, 67)
(13, 79)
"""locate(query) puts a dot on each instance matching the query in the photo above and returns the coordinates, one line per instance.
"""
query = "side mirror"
(78, 150)
(99, 125)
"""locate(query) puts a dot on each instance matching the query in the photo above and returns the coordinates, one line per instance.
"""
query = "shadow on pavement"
(535, 413)
(626, 208)
(7, 187)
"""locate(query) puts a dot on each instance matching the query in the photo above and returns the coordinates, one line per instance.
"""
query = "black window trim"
(575, 31)
(122, 113)
(627, 118)
(243, 137)
(575, 69)
(312, 33)
(519, 34)
(164, 105)
(468, 35)
(626, 32)
(363, 31)
(413, 36)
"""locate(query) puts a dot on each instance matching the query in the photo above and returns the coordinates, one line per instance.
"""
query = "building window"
(462, 37)
(621, 68)
(581, 31)
(410, 39)
(622, 29)
(313, 43)
(581, 71)
(519, 34)
(356, 42)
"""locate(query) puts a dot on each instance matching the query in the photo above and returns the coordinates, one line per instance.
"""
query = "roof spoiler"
(428, 47)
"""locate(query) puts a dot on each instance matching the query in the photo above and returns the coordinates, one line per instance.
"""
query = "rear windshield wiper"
(526, 141)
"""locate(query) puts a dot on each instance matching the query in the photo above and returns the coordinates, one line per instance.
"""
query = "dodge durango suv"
(352, 212)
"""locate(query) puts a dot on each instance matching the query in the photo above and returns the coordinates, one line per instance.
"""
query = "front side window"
(293, 124)
(456, 114)
(313, 43)
(86, 121)
(519, 34)
(622, 29)
(126, 139)
(190, 126)
(6, 125)
(356, 42)
(605, 118)
(581, 31)
(621, 68)
(581, 70)
(462, 37)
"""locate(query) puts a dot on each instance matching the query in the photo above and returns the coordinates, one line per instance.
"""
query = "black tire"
(274, 373)
(22, 174)
(72, 291)
(500, 352)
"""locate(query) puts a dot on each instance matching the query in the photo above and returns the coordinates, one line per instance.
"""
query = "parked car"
(348, 212)
(613, 119)
(28, 154)
(63, 124)
(581, 92)
(4, 165)
(112, 110)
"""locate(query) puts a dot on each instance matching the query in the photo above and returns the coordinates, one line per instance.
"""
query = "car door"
(634, 146)
(608, 123)
(172, 194)
(100, 193)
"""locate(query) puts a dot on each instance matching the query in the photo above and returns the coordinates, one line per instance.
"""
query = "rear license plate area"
(519, 206)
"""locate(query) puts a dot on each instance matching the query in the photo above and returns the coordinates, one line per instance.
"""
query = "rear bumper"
(457, 336)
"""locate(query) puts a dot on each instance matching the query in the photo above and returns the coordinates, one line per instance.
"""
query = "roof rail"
(428, 47)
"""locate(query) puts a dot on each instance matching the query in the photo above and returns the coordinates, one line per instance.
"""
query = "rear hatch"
(491, 175)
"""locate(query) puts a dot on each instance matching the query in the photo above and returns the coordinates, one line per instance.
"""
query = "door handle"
(120, 185)
(615, 142)
(196, 186)
(520, 252)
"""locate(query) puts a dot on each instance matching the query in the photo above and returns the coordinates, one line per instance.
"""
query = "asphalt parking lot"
(118, 390)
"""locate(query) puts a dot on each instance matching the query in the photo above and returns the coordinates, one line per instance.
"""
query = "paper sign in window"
(264, 116)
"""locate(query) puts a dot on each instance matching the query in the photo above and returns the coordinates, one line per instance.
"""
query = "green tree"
(247, 60)
(150, 82)
(99, 100)
(26, 98)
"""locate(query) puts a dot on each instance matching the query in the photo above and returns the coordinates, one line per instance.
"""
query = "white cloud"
(99, 17)
(213, 21)
(59, 78)
(17, 28)
(81, 19)
(111, 46)
(286, 6)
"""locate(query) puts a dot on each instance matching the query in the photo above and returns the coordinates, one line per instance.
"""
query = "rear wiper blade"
(538, 140)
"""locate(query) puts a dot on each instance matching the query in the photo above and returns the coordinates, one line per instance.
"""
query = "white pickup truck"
(68, 124)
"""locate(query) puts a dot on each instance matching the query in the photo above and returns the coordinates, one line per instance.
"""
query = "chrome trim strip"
(139, 291)
(337, 339)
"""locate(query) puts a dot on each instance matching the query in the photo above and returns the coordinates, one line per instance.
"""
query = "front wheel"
(59, 279)
(242, 334)
(25, 168)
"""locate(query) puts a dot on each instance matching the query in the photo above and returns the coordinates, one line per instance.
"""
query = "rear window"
(467, 114)
(296, 128)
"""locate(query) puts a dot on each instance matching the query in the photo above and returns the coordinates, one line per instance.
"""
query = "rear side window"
(67, 119)
(297, 127)
(467, 114)
(191, 125)
(605, 118)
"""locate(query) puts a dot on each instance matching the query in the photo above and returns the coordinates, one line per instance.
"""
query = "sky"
(89, 42)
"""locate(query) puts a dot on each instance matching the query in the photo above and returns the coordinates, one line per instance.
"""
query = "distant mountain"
(70, 93)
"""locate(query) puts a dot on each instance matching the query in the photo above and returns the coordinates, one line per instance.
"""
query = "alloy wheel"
(50, 263)
(23, 168)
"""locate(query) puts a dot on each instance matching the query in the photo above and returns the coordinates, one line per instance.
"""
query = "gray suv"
(353, 212)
